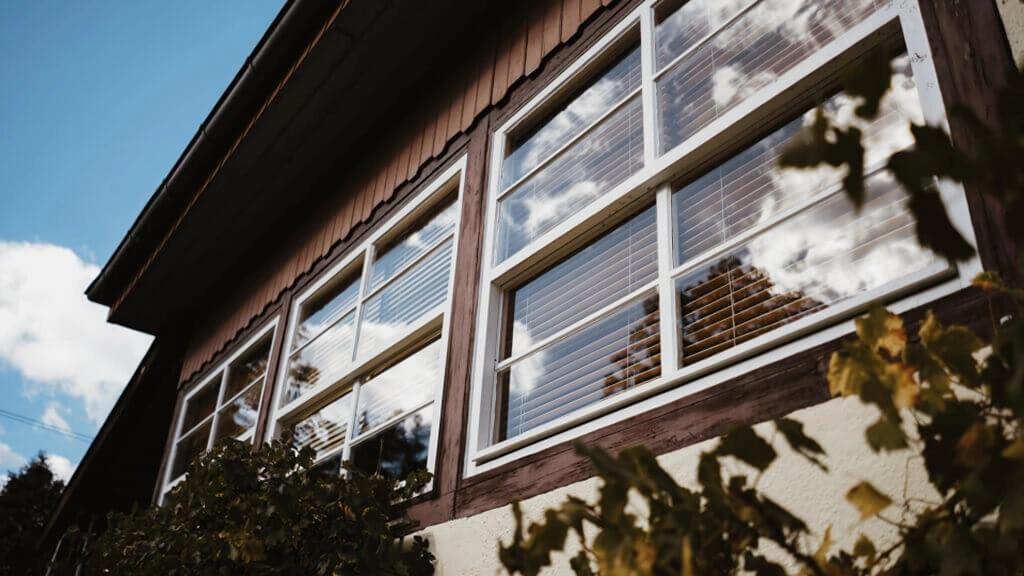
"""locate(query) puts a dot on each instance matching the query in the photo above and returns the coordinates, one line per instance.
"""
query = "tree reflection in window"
(397, 451)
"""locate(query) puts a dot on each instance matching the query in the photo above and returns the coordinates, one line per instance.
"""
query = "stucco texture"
(468, 546)
(1012, 12)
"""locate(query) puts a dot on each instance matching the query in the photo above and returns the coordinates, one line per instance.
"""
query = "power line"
(40, 424)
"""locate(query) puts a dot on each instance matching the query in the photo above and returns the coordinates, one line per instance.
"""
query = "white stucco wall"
(1012, 12)
(468, 546)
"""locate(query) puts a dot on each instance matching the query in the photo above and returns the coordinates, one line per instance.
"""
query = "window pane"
(740, 58)
(201, 404)
(413, 245)
(597, 98)
(188, 448)
(248, 367)
(239, 415)
(398, 450)
(324, 360)
(750, 188)
(608, 155)
(399, 388)
(321, 310)
(603, 272)
(326, 430)
(389, 314)
(618, 352)
(822, 256)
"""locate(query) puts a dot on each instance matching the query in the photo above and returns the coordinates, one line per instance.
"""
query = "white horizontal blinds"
(397, 450)
(186, 449)
(821, 256)
(807, 249)
(750, 189)
(617, 352)
(391, 312)
(323, 309)
(555, 181)
(326, 430)
(324, 359)
(408, 247)
(594, 100)
(723, 52)
(200, 405)
(238, 414)
(399, 389)
(607, 270)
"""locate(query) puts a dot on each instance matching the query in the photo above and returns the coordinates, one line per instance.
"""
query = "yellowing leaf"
(821, 556)
(846, 375)
(1015, 451)
(904, 386)
(974, 444)
(867, 500)
(989, 280)
(882, 330)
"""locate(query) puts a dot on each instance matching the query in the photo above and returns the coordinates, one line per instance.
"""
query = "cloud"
(59, 341)
(61, 467)
(9, 459)
(52, 417)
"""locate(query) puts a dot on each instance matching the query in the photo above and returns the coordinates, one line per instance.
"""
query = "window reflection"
(323, 360)
(399, 388)
(327, 429)
(405, 249)
(741, 56)
(398, 450)
(615, 353)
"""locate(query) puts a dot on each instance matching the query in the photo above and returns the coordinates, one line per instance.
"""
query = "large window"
(361, 379)
(640, 235)
(225, 404)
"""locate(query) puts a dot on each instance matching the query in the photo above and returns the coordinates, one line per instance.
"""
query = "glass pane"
(681, 24)
(331, 302)
(608, 155)
(201, 404)
(398, 450)
(188, 448)
(239, 415)
(391, 312)
(740, 58)
(324, 360)
(608, 269)
(618, 352)
(750, 188)
(594, 100)
(413, 245)
(248, 367)
(822, 256)
(326, 430)
(399, 388)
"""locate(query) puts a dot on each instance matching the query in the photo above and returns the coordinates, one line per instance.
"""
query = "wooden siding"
(524, 39)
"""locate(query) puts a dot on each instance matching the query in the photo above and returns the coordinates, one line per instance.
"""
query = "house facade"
(460, 236)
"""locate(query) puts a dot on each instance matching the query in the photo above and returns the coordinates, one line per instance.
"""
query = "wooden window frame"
(218, 371)
(792, 91)
(434, 324)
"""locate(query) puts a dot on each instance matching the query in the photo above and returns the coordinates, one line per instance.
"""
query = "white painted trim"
(220, 371)
(434, 321)
(776, 98)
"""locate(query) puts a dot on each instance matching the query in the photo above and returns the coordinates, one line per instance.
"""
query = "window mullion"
(364, 288)
(647, 54)
(350, 433)
(666, 291)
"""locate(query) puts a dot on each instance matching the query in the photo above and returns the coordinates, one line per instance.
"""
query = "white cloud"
(52, 417)
(59, 341)
(61, 467)
(9, 459)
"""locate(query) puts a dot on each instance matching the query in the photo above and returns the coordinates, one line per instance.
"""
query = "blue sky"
(97, 101)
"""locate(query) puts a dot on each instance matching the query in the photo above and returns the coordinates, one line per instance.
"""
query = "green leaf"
(989, 280)
(867, 499)
(953, 346)
(744, 444)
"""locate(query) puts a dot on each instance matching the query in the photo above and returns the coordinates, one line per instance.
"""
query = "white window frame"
(434, 321)
(219, 372)
(652, 183)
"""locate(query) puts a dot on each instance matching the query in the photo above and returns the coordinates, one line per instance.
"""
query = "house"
(460, 235)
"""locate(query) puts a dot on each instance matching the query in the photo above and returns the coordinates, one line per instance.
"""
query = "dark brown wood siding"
(525, 38)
